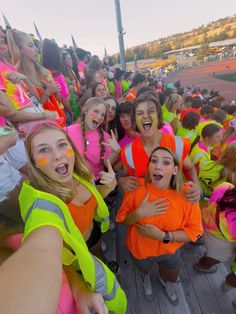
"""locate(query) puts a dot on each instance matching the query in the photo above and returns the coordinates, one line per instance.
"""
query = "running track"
(203, 76)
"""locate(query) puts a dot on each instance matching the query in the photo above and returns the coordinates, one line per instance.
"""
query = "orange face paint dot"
(42, 161)
(69, 152)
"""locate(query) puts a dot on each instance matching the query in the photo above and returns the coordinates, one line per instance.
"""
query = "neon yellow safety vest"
(199, 155)
(40, 209)
(191, 134)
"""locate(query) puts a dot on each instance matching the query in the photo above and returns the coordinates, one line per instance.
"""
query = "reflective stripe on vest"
(100, 278)
(197, 157)
(48, 206)
(179, 145)
(129, 155)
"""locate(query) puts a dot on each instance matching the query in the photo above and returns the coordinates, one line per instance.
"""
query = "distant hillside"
(215, 31)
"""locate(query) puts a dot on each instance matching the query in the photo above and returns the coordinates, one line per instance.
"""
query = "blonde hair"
(15, 41)
(171, 100)
(89, 104)
(42, 182)
(227, 160)
(176, 182)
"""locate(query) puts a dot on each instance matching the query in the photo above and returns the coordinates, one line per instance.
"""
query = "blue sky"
(93, 22)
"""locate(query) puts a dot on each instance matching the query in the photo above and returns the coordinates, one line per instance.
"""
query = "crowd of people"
(76, 133)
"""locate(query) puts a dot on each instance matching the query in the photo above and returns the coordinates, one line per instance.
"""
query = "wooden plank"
(127, 278)
(189, 292)
(224, 299)
(146, 306)
(200, 283)
(165, 306)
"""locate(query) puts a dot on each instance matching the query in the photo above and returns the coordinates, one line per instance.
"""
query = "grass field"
(227, 77)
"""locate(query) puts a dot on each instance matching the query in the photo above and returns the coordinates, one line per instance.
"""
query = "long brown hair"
(227, 160)
(15, 41)
(42, 182)
(149, 98)
(176, 180)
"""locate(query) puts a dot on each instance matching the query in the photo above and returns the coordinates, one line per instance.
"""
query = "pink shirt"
(92, 154)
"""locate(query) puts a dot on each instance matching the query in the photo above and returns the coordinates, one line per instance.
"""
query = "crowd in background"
(74, 134)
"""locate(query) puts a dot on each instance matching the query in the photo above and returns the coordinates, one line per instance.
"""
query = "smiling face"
(100, 91)
(161, 168)
(53, 155)
(111, 110)
(146, 118)
(95, 116)
(28, 49)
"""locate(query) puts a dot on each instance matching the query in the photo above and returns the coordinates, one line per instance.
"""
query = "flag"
(7, 24)
(106, 58)
(74, 42)
(38, 33)
(135, 63)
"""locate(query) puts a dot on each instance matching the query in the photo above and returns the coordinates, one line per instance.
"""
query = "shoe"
(170, 292)
(147, 285)
(200, 269)
(114, 267)
(226, 287)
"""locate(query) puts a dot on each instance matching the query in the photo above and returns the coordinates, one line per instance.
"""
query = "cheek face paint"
(69, 152)
(42, 161)
(92, 116)
(139, 123)
(153, 117)
(152, 167)
(168, 170)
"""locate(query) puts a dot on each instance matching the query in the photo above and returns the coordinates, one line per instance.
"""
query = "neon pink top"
(92, 154)
(60, 79)
(17, 93)
(167, 129)
(66, 303)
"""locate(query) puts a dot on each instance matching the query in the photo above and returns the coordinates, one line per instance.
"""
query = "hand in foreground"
(128, 184)
(157, 207)
(89, 302)
(193, 194)
(15, 77)
(112, 143)
(108, 178)
(150, 231)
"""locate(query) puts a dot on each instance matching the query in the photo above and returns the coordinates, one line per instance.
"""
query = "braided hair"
(89, 104)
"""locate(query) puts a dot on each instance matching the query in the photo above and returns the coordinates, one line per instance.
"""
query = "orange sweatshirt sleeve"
(126, 207)
(186, 148)
(193, 226)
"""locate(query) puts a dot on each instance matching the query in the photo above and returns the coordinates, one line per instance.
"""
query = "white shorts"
(219, 249)
(9, 177)
(16, 154)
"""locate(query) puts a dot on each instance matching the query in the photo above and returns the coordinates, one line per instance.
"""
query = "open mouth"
(147, 126)
(95, 123)
(157, 177)
(62, 169)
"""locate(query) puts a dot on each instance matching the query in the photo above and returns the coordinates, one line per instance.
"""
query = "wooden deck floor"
(198, 293)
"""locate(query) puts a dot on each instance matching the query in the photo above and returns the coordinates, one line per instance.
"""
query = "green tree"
(204, 49)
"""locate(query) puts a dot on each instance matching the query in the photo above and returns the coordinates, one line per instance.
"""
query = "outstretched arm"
(30, 280)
